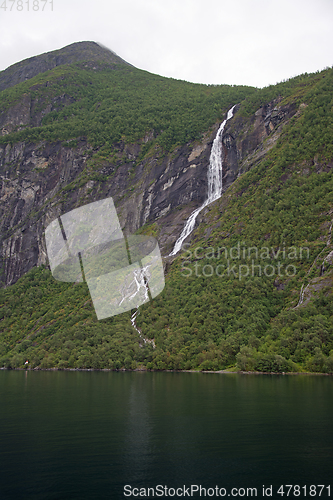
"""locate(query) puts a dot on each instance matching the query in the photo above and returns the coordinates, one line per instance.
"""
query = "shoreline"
(142, 370)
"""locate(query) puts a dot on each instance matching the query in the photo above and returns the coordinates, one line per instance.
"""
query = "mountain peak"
(75, 52)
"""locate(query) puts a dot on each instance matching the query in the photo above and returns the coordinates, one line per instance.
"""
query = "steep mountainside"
(80, 51)
(94, 127)
(85, 131)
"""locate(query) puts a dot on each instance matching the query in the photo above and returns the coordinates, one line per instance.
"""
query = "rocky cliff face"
(39, 182)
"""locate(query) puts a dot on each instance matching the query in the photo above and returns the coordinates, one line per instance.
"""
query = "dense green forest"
(231, 297)
(108, 105)
(199, 323)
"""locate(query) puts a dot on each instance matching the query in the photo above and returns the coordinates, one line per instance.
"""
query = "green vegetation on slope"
(50, 323)
(244, 314)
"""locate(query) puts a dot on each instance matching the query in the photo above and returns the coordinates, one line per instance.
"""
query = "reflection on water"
(84, 435)
(138, 448)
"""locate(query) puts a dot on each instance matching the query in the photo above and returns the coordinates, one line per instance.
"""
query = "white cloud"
(255, 42)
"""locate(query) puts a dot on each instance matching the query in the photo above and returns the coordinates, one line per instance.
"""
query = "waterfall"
(322, 267)
(214, 183)
(139, 282)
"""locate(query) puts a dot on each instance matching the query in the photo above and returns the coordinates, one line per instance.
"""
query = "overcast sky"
(248, 42)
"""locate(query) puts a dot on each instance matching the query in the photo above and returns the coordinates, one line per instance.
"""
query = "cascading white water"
(214, 183)
(133, 321)
(138, 283)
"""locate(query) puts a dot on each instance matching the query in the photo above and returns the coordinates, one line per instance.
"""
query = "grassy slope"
(214, 322)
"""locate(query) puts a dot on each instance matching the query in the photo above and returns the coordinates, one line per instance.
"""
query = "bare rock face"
(39, 182)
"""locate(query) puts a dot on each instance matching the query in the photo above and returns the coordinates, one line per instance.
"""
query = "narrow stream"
(214, 183)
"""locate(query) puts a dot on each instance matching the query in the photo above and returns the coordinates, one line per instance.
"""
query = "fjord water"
(85, 435)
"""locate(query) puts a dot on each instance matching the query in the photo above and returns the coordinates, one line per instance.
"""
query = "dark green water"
(85, 435)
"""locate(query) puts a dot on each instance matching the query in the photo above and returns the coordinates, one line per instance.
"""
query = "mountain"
(87, 130)
(252, 287)
(88, 52)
